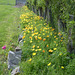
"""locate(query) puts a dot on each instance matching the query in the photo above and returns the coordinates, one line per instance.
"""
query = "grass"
(9, 21)
(12, 2)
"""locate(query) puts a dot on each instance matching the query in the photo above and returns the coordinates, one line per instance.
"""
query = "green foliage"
(70, 69)
(40, 3)
(44, 52)
(8, 34)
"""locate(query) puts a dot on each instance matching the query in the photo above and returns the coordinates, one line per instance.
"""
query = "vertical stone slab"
(14, 58)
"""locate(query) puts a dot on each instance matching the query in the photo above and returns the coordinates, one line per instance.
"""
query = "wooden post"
(71, 37)
(16, 2)
(40, 11)
(45, 12)
(48, 15)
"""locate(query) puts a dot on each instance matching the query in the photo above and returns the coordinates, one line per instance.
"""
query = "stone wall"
(20, 2)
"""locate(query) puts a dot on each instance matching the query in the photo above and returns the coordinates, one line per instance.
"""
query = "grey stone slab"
(16, 71)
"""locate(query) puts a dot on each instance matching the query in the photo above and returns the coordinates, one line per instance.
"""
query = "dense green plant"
(44, 52)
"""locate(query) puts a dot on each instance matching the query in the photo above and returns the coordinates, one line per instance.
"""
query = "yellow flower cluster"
(38, 34)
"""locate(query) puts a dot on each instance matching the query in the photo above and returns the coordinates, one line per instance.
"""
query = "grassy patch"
(7, 2)
(9, 18)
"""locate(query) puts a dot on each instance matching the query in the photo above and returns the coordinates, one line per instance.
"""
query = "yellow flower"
(61, 40)
(31, 41)
(40, 38)
(52, 29)
(60, 54)
(50, 33)
(54, 48)
(35, 37)
(50, 50)
(30, 59)
(54, 41)
(33, 46)
(62, 67)
(32, 34)
(39, 49)
(43, 33)
(47, 36)
(32, 49)
(49, 64)
(37, 46)
(23, 37)
(30, 37)
(59, 34)
(54, 36)
(36, 50)
(24, 41)
(33, 53)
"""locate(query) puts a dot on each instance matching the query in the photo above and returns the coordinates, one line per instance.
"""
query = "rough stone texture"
(20, 38)
(17, 48)
(13, 59)
(16, 71)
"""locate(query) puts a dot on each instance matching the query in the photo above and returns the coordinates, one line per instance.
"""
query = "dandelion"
(50, 50)
(60, 54)
(32, 34)
(49, 64)
(52, 29)
(32, 49)
(54, 41)
(33, 46)
(59, 34)
(36, 50)
(37, 46)
(40, 38)
(47, 36)
(39, 49)
(30, 37)
(61, 40)
(35, 37)
(30, 59)
(54, 36)
(43, 33)
(33, 53)
(31, 41)
(62, 67)
(24, 41)
(54, 48)
(23, 37)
